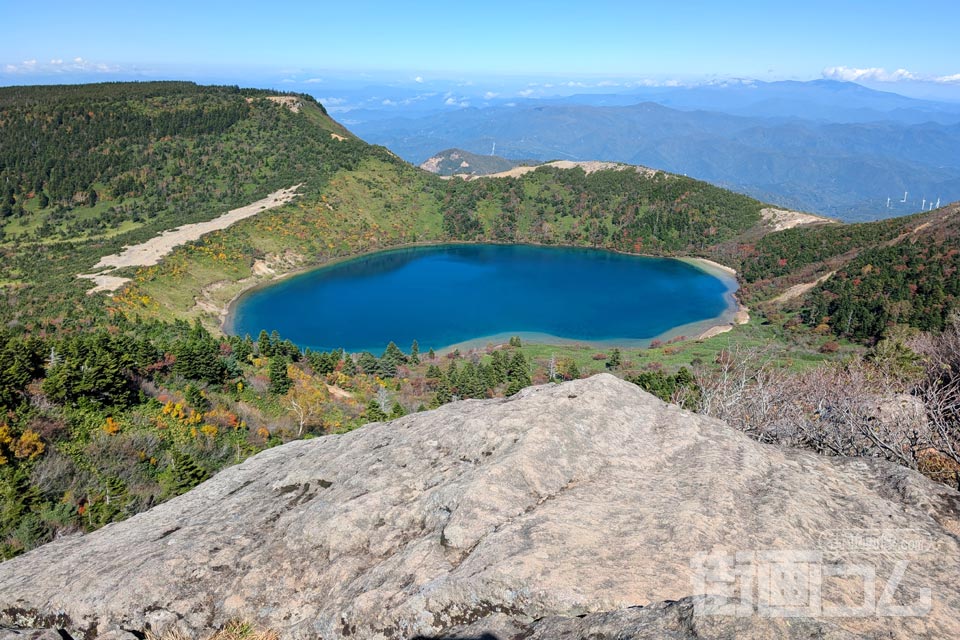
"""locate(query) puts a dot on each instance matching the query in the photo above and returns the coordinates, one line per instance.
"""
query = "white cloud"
(456, 102)
(418, 80)
(954, 79)
(58, 65)
(490, 95)
(313, 80)
(526, 93)
(875, 74)
(331, 101)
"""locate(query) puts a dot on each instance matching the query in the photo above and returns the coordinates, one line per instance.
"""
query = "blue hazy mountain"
(822, 100)
(852, 149)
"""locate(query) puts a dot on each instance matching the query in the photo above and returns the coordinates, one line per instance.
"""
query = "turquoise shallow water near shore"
(454, 294)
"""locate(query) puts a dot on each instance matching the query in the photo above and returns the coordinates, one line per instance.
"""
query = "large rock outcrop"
(583, 509)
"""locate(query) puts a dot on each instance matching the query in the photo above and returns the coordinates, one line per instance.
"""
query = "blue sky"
(904, 47)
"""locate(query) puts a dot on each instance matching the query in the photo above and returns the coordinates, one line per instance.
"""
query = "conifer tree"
(374, 413)
(264, 347)
(499, 366)
(393, 355)
(518, 375)
(349, 365)
(443, 395)
(280, 382)
(397, 411)
(368, 363)
(615, 359)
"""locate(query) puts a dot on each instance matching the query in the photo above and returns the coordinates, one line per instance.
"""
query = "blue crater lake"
(455, 294)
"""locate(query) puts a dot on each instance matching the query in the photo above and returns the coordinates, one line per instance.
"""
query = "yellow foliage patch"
(29, 446)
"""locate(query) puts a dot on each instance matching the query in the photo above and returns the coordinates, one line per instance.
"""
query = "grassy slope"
(183, 177)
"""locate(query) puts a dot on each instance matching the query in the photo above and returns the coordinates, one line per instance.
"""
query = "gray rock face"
(583, 509)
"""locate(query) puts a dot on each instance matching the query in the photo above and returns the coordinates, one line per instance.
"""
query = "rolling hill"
(459, 162)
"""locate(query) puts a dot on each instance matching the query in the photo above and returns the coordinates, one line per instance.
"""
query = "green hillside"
(88, 169)
(111, 403)
(878, 275)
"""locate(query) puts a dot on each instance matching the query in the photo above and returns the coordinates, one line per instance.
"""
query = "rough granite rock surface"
(568, 511)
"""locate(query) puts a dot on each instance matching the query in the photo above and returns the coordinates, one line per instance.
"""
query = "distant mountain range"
(829, 147)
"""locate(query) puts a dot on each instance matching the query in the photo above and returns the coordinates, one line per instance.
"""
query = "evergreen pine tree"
(393, 355)
(415, 353)
(374, 413)
(499, 366)
(264, 348)
(183, 474)
(368, 363)
(280, 382)
(349, 366)
(518, 375)
(443, 395)
(615, 359)
(397, 411)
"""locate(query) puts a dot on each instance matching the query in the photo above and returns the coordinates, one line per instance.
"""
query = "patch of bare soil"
(780, 219)
(153, 250)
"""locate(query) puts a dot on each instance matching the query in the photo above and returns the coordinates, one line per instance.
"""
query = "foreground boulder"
(587, 509)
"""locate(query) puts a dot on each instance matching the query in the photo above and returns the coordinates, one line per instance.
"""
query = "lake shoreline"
(734, 314)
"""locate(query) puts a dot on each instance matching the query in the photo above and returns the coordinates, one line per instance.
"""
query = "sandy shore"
(153, 250)
(742, 313)
(710, 266)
